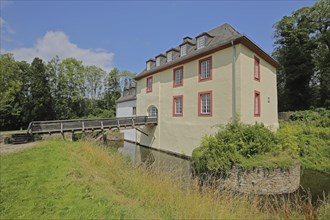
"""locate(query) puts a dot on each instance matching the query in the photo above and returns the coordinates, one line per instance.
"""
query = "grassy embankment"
(308, 132)
(59, 179)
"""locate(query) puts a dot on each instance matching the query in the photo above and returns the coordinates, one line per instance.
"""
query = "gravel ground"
(12, 148)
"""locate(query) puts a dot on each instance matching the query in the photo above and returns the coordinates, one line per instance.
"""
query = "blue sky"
(124, 34)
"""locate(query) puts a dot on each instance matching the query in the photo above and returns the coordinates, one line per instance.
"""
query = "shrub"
(317, 117)
(234, 143)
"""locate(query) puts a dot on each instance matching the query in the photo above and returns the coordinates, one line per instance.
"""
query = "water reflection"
(317, 183)
(142, 156)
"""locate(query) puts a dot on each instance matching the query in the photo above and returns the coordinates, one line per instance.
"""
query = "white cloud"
(5, 27)
(58, 43)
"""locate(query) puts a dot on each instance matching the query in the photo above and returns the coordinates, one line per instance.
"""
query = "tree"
(23, 99)
(111, 91)
(10, 87)
(39, 93)
(93, 81)
(302, 49)
(70, 89)
(320, 25)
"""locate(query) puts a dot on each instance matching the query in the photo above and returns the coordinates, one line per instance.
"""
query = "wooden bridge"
(85, 125)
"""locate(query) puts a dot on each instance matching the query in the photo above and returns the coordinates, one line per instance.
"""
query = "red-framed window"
(149, 84)
(178, 106)
(256, 68)
(257, 104)
(205, 69)
(205, 103)
(178, 77)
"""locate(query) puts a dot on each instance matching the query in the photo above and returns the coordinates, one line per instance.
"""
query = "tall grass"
(74, 180)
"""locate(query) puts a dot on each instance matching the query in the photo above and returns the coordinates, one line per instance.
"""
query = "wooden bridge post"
(62, 133)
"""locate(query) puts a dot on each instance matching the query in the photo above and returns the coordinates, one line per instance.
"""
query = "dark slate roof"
(126, 98)
(220, 36)
(128, 94)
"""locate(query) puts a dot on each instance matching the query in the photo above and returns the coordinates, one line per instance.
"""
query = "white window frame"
(149, 84)
(158, 61)
(152, 111)
(178, 105)
(256, 69)
(257, 104)
(205, 69)
(200, 42)
(183, 51)
(206, 103)
(178, 77)
(169, 56)
(148, 65)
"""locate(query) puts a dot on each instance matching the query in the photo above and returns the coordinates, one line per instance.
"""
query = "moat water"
(314, 182)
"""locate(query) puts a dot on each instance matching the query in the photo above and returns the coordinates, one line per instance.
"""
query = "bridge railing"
(61, 126)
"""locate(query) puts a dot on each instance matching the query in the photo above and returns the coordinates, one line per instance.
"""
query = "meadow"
(60, 179)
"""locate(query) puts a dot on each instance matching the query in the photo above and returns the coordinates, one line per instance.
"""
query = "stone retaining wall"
(262, 180)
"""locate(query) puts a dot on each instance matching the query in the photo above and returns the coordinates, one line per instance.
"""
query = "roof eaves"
(204, 33)
(255, 48)
(184, 58)
(174, 49)
(151, 59)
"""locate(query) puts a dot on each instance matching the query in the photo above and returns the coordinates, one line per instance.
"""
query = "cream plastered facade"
(183, 134)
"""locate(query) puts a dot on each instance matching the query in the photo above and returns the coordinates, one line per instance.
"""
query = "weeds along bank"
(305, 136)
(62, 179)
(308, 132)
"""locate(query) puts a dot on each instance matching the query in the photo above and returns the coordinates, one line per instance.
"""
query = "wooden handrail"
(76, 125)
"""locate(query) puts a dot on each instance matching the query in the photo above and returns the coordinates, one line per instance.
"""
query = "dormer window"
(200, 42)
(169, 56)
(184, 50)
(150, 64)
(158, 61)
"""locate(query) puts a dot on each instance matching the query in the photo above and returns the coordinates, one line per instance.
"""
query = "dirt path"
(12, 148)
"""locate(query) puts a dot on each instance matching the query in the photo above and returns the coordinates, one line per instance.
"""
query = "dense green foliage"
(309, 132)
(244, 145)
(314, 117)
(303, 50)
(60, 89)
(78, 180)
(305, 136)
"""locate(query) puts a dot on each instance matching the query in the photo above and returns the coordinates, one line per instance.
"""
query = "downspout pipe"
(234, 81)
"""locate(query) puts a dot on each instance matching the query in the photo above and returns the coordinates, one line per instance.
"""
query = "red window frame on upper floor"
(257, 104)
(200, 107)
(256, 69)
(174, 113)
(147, 87)
(174, 77)
(200, 69)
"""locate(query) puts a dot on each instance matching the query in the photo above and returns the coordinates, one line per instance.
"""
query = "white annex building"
(126, 107)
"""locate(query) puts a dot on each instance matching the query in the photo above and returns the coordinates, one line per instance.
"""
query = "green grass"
(75, 180)
(269, 161)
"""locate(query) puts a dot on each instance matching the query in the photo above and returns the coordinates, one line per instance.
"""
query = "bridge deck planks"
(81, 125)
